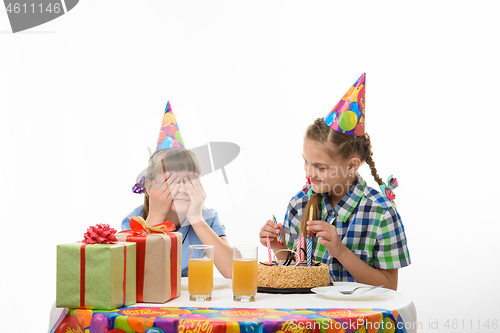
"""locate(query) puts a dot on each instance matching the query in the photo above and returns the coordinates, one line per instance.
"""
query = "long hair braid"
(368, 157)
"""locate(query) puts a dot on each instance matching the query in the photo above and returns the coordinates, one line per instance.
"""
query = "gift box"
(159, 257)
(96, 276)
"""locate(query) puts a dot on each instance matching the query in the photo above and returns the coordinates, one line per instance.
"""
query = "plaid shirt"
(367, 223)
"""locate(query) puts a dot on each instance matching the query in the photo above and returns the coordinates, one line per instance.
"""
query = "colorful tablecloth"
(269, 313)
(230, 320)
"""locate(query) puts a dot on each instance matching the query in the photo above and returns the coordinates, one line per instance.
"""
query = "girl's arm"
(360, 271)
(223, 252)
(364, 273)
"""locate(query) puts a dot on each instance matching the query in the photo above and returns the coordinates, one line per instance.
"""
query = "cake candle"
(280, 240)
(309, 250)
(302, 246)
(311, 211)
(297, 255)
(269, 251)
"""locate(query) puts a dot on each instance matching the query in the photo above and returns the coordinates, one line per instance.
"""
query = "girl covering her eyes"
(173, 192)
(356, 230)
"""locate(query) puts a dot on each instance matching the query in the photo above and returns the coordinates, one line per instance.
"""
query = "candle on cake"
(269, 251)
(309, 237)
(297, 248)
(302, 246)
(309, 250)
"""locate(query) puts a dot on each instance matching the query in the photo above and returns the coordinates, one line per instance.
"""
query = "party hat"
(170, 136)
(348, 115)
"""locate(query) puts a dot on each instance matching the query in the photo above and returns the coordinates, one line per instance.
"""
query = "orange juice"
(200, 276)
(244, 277)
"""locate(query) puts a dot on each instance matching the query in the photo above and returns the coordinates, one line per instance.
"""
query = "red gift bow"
(100, 234)
(141, 228)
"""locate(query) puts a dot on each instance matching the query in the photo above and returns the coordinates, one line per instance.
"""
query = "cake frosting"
(302, 276)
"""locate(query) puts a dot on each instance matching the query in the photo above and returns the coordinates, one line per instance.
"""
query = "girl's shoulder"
(212, 218)
(208, 213)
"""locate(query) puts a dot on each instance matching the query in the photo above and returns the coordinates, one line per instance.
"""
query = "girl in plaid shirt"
(356, 230)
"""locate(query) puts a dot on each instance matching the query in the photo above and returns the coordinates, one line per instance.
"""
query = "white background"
(82, 97)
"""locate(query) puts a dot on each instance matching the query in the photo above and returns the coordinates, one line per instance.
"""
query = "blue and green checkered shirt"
(367, 223)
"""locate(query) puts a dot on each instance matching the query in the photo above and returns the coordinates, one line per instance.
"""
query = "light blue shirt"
(189, 236)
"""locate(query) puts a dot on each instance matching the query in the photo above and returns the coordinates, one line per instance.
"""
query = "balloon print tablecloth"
(230, 320)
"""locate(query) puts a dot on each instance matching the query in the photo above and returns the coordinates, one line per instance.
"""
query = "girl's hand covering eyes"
(197, 197)
(161, 195)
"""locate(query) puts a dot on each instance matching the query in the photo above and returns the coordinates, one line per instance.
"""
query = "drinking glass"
(244, 273)
(201, 272)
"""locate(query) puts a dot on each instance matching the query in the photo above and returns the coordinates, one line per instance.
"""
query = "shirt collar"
(349, 202)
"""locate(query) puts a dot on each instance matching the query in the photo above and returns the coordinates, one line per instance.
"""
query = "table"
(269, 313)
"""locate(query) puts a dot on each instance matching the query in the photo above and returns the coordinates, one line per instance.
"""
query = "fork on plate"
(350, 292)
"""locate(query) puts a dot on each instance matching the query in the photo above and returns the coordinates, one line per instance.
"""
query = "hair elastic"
(387, 190)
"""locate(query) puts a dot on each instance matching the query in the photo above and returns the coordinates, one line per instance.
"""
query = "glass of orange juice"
(244, 273)
(201, 272)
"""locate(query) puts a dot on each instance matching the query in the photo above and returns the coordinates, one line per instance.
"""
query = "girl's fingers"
(195, 181)
(194, 185)
(168, 181)
(194, 195)
(173, 183)
(272, 224)
(189, 189)
(171, 178)
(174, 191)
(271, 228)
(316, 226)
(324, 235)
(265, 233)
(166, 175)
(167, 189)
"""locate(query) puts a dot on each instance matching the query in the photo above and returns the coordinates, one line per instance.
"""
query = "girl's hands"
(161, 195)
(196, 196)
(271, 230)
(329, 236)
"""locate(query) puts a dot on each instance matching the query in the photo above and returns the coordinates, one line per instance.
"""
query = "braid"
(367, 145)
(368, 156)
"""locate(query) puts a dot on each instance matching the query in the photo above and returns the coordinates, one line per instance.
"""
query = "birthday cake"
(302, 276)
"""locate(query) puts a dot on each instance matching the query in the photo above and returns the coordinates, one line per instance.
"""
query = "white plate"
(219, 283)
(333, 292)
